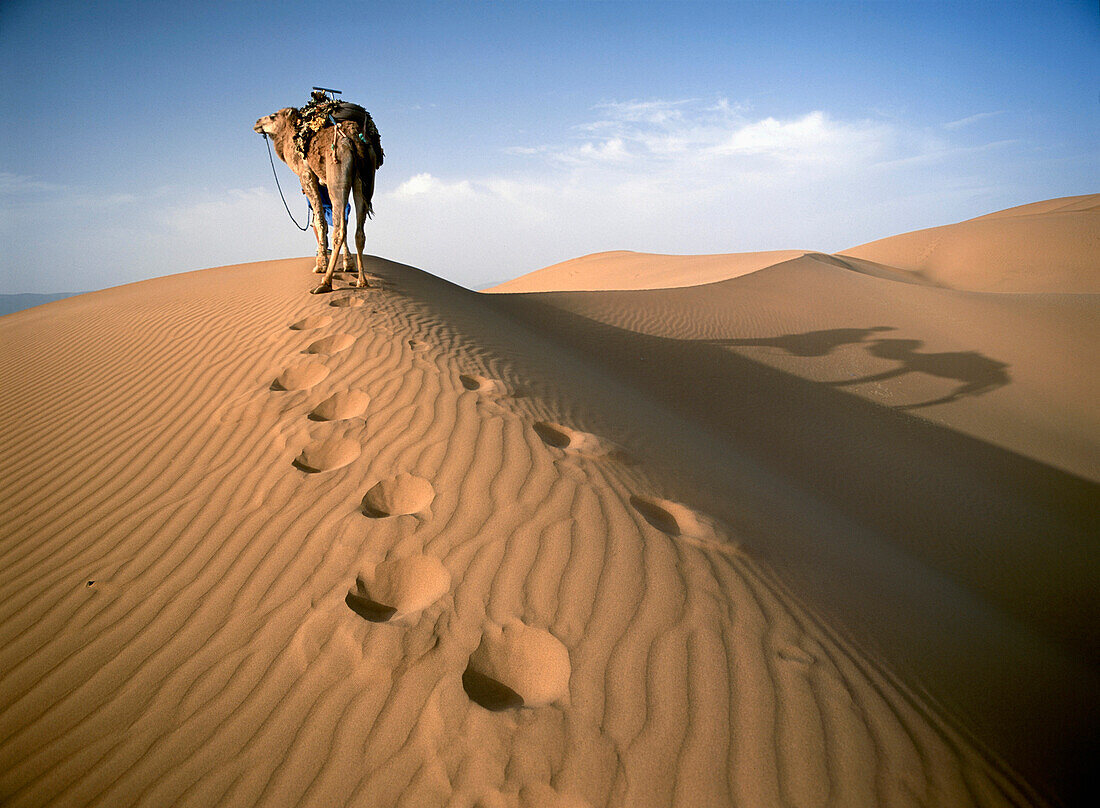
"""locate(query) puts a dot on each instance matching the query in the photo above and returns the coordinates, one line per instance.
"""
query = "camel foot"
(320, 290)
(318, 270)
(361, 284)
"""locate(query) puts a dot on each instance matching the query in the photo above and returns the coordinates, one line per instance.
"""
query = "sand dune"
(414, 545)
(623, 269)
(1003, 368)
(1051, 246)
(1044, 247)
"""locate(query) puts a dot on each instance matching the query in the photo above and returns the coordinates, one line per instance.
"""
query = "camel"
(340, 161)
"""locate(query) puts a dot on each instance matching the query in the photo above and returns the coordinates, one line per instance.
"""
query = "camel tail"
(367, 159)
(366, 177)
(366, 174)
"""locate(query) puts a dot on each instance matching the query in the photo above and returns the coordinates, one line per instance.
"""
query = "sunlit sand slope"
(1007, 368)
(1051, 246)
(397, 546)
(955, 429)
(623, 269)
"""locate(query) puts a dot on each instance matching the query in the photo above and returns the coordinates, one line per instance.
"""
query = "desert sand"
(758, 529)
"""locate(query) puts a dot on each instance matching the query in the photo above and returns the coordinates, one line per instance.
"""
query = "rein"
(277, 185)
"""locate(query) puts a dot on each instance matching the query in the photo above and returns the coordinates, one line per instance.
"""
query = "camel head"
(284, 120)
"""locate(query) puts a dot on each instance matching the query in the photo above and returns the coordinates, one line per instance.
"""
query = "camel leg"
(360, 232)
(338, 194)
(320, 229)
(339, 238)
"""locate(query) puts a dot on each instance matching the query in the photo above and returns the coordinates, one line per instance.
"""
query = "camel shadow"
(851, 502)
(811, 343)
(976, 373)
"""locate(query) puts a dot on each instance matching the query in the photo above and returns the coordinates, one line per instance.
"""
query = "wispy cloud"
(203, 213)
(427, 185)
(678, 176)
(22, 191)
(683, 175)
(811, 138)
(969, 119)
(672, 134)
(118, 237)
(12, 184)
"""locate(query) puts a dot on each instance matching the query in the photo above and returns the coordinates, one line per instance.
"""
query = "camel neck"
(283, 147)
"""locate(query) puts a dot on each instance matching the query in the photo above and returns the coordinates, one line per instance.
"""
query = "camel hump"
(347, 111)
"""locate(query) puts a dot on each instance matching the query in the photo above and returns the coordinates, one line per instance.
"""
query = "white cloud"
(651, 112)
(426, 184)
(605, 150)
(117, 238)
(811, 138)
(679, 176)
(677, 135)
(210, 210)
(685, 176)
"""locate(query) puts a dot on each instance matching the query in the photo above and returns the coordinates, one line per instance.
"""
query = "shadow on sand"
(811, 343)
(980, 561)
(976, 373)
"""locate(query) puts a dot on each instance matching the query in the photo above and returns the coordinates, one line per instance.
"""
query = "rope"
(276, 175)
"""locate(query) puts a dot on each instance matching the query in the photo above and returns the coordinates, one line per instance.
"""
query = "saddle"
(347, 111)
(319, 116)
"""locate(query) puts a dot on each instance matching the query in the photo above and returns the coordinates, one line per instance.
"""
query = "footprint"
(340, 406)
(395, 589)
(301, 376)
(517, 665)
(418, 345)
(330, 345)
(574, 441)
(309, 323)
(404, 494)
(483, 384)
(792, 653)
(346, 302)
(325, 455)
(488, 692)
(674, 519)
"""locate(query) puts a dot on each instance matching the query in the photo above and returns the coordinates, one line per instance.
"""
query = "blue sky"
(521, 134)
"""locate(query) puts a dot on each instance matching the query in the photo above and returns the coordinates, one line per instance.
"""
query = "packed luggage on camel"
(334, 148)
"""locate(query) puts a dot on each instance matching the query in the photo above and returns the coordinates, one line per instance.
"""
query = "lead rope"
(276, 175)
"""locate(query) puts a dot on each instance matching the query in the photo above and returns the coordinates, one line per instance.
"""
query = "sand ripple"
(541, 634)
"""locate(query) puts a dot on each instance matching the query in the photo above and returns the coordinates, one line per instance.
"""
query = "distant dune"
(630, 270)
(13, 303)
(766, 529)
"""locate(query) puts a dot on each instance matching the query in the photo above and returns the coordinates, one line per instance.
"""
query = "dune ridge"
(178, 622)
(1048, 247)
(1044, 247)
(624, 269)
